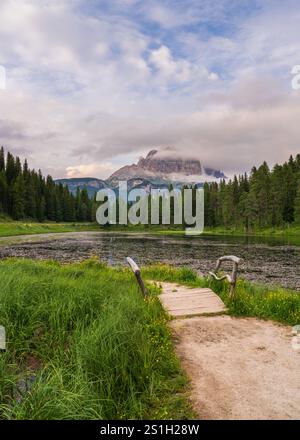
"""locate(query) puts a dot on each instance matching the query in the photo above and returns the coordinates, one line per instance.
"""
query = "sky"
(91, 85)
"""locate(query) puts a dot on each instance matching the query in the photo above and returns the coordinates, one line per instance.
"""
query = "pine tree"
(30, 197)
(18, 198)
(260, 191)
(94, 208)
(10, 168)
(58, 207)
(289, 186)
(3, 192)
(297, 203)
(277, 196)
(41, 209)
(68, 205)
(2, 160)
(50, 192)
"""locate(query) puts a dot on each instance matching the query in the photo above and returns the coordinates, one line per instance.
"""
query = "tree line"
(265, 198)
(25, 193)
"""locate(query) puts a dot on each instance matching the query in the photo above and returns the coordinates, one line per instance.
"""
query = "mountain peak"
(168, 164)
(159, 168)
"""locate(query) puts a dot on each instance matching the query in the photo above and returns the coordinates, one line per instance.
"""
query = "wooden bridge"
(182, 301)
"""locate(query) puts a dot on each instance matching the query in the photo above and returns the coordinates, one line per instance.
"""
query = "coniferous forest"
(25, 193)
(265, 198)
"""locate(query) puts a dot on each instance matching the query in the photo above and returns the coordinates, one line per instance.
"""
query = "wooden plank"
(186, 301)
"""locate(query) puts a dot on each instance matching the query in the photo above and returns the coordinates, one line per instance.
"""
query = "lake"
(274, 260)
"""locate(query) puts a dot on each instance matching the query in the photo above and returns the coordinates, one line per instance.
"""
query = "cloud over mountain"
(95, 83)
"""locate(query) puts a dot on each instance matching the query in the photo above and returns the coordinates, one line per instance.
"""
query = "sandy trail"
(239, 368)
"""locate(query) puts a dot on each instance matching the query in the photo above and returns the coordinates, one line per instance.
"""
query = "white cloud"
(100, 171)
(168, 68)
(172, 71)
(167, 16)
(86, 86)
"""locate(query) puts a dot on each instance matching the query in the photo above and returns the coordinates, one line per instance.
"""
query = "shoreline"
(11, 228)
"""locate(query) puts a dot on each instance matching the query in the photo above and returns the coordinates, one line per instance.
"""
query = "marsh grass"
(95, 347)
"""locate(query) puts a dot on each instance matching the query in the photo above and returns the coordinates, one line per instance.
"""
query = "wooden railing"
(230, 278)
(137, 272)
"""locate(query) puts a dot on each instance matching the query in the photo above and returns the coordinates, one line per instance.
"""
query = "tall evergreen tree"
(3, 192)
(297, 203)
(18, 209)
(2, 160)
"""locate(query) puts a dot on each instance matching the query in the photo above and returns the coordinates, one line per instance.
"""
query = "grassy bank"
(8, 229)
(89, 344)
(12, 228)
(293, 230)
(261, 301)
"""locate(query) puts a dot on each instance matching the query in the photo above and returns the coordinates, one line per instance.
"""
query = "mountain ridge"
(159, 168)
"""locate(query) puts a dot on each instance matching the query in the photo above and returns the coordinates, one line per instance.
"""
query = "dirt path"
(239, 368)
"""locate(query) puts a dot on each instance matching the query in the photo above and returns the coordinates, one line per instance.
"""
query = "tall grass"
(97, 348)
(92, 348)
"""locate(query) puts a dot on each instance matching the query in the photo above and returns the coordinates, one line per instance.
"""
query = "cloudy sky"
(93, 84)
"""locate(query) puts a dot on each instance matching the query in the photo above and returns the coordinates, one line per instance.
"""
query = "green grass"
(251, 299)
(100, 351)
(97, 348)
(289, 230)
(10, 228)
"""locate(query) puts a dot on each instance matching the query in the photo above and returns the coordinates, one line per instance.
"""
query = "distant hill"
(90, 183)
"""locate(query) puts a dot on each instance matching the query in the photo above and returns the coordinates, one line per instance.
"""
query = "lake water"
(274, 261)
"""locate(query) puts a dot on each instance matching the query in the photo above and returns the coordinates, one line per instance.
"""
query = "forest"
(25, 193)
(264, 198)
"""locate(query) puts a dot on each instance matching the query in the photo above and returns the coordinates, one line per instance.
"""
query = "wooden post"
(231, 278)
(137, 272)
(2, 338)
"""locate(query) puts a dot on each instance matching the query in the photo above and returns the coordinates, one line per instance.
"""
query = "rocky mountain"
(167, 166)
(157, 170)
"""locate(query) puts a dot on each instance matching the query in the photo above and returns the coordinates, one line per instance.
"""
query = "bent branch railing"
(230, 278)
(137, 272)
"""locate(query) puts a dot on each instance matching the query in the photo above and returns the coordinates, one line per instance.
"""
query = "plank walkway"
(182, 301)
